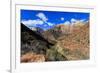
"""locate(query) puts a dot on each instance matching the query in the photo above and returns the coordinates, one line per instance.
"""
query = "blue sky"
(48, 19)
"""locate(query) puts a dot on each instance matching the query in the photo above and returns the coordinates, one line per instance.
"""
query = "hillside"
(77, 43)
(60, 43)
(32, 42)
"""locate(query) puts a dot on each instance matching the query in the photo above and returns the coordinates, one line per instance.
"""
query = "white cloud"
(42, 16)
(82, 20)
(73, 20)
(62, 18)
(67, 23)
(79, 21)
(32, 22)
(50, 24)
(87, 21)
(42, 21)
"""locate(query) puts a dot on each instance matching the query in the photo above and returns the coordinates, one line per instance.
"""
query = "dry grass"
(31, 57)
(77, 43)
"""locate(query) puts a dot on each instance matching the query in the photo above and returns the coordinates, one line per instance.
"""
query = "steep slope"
(77, 43)
(32, 41)
(61, 43)
(35, 47)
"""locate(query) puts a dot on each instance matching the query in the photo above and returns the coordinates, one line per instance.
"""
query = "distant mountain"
(56, 32)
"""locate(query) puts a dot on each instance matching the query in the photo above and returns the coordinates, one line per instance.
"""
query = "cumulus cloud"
(42, 19)
(67, 22)
(32, 22)
(77, 21)
(50, 24)
(62, 18)
(42, 16)
(82, 20)
(73, 20)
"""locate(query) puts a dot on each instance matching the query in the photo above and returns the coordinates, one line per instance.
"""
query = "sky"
(49, 19)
